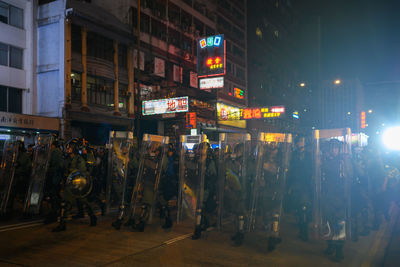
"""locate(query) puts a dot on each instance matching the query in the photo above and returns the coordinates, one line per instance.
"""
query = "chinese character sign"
(211, 56)
(230, 113)
(163, 106)
(191, 120)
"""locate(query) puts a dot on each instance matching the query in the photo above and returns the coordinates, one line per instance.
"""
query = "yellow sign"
(230, 116)
(275, 137)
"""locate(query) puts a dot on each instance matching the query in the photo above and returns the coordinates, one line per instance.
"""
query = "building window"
(158, 29)
(123, 56)
(99, 46)
(10, 99)
(76, 86)
(16, 57)
(122, 96)
(3, 54)
(100, 91)
(240, 73)
(11, 56)
(76, 38)
(11, 15)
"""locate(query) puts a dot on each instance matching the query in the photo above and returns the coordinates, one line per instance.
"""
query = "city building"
(339, 104)
(273, 70)
(20, 99)
(91, 75)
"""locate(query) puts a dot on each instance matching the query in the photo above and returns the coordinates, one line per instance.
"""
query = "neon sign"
(238, 93)
(232, 113)
(363, 124)
(211, 56)
(211, 41)
(164, 106)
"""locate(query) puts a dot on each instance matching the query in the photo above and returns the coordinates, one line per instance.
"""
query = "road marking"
(176, 239)
(12, 227)
(386, 229)
(17, 224)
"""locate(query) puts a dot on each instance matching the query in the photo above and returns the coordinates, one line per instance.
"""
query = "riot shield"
(10, 154)
(234, 178)
(118, 159)
(41, 158)
(332, 183)
(192, 162)
(152, 158)
(273, 155)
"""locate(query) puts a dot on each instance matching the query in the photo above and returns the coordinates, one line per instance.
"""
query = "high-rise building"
(96, 75)
(340, 103)
(20, 99)
(273, 61)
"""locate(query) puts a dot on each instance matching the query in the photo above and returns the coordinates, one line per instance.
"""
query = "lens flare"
(391, 138)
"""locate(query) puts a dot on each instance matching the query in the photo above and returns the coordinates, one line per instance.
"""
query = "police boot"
(80, 213)
(330, 249)
(93, 220)
(197, 233)
(61, 227)
(339, 251)
(117, 224)
(129, 222)
(168, 221)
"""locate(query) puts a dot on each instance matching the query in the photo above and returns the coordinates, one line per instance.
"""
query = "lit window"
(259, 32)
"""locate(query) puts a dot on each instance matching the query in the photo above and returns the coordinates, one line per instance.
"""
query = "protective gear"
(146, 192)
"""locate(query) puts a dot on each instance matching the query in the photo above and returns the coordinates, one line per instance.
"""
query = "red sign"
(363, 120)
(191, 120)
(251, 113)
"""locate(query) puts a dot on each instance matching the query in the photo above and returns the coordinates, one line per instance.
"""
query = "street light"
(302, 84)
(349, 113)
(337, 82)
(370, 111)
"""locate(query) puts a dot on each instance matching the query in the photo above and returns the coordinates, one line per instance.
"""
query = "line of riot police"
(245, 185)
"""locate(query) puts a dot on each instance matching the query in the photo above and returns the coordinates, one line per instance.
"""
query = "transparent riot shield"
(41, 158)
(119, 146)
(152, 158)
(268, 189)
(234, 178)
(9, 158)
(332, 183)
(192, 163)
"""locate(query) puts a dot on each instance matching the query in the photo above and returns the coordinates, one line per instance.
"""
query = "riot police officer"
(77, 179)
(210, 189)
(53, 181)
(334, 207)
(234, 192)
(300, 188)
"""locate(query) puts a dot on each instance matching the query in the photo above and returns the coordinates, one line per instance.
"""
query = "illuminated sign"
(296, 115)
(211, 56)
(363, 120)
(238, 93)
(164, 106)
(229, 115)
(212, 83)
(191, 120)
(280, 109)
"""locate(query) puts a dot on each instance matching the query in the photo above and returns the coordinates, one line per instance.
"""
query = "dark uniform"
(300, 189)
(209, 216)
(53, 181)
(334, 202)
(74, 163)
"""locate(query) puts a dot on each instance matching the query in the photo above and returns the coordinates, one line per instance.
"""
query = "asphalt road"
(82, 245)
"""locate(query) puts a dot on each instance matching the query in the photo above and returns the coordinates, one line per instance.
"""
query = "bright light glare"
(338, 81)
(302, 84)
(370, 111)
(391, 138)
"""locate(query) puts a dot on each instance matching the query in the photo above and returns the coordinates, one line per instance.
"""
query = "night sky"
(359, 38)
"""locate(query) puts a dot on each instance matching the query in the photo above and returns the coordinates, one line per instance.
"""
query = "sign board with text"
(229, 113)
(212, 83)
(211, 56)
(164, 106)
